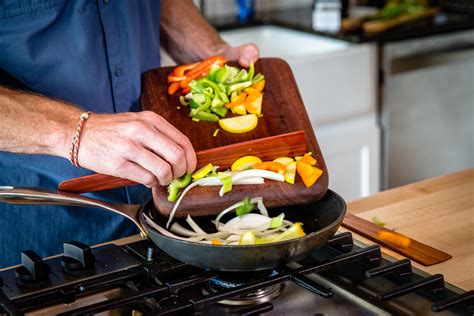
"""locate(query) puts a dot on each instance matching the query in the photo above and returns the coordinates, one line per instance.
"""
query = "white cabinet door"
(352, 153)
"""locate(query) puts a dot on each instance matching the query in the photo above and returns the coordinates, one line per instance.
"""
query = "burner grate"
(161, 285)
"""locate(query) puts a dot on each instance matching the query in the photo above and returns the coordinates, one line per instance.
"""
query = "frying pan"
(320, 220)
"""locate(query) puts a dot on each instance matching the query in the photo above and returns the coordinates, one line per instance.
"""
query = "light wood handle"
(289, 144)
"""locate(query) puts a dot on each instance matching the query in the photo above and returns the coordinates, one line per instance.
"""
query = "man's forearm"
(186, 35)
(34, 124)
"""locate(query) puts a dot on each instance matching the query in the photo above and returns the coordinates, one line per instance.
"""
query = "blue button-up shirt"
(89, 53)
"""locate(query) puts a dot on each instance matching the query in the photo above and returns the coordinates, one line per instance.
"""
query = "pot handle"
(14, 195)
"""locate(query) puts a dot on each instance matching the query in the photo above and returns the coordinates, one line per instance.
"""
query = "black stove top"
(342, 278)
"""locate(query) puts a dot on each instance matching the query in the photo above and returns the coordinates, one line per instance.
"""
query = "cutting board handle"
(267, 148)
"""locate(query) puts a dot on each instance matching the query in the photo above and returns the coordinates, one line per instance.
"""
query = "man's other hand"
(244, 54)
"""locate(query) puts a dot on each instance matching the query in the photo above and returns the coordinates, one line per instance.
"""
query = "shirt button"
(118, 71)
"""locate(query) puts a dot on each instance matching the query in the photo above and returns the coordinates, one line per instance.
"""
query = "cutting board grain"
(283, 112)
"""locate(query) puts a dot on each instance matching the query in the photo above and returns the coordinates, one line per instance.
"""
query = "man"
(57, 56)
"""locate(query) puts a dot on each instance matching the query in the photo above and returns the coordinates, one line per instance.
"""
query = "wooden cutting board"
(283, 112)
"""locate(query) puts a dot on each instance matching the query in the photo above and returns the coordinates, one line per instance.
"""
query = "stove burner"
(229, 280)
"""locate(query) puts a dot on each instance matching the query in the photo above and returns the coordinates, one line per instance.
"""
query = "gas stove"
(344, 277)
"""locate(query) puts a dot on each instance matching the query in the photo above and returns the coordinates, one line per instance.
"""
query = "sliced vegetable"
(244, 163)
(307, 158)
(176, 184)
(271, 166)
(248, 239)
(201, 173)
(284, 160)
(239, 124)
(290, 172)
(238, 101)
(377, 221)
(226, 185)
(277, 221)
(215, 132)
(173, 87)
(246, 207)
(294, 231)
(308, 173)
(253, 103)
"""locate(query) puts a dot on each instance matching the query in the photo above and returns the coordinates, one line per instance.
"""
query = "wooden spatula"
(414, 250)
(268, 148)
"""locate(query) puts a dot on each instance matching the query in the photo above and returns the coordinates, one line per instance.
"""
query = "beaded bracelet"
(74, 149)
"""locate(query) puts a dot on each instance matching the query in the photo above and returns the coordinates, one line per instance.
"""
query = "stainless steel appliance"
(343, 278)
(427, 107)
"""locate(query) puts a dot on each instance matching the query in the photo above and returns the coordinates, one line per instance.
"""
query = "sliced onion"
(162, 230)
(262, 208)
(178, 229)
(186, 190)
(248, 221)
(258, 173)
(233, 207)
(195, 226)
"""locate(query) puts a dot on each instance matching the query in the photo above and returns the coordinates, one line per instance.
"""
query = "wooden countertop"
(438, 212)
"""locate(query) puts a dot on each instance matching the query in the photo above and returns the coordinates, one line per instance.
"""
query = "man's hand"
(245, 54)
(142, 147)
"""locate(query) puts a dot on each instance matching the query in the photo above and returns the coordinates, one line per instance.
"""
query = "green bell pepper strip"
(176, 184)
(226, 184)
(245, 208)
(220, 110)
(199, 98)
(213, 71)
(239, 86)
(259, 77)
(193, 105)
(205, 116)
(216, 102)
(251, 72)
(195, 87)
(241, 76)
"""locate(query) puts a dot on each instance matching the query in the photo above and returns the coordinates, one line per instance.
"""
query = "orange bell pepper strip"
(270, 166)
(216, 242)
(259, 86)
(173, 87)
(240, 100)
(180, 70)
(308, 173)
(307, 158)
(202, 68)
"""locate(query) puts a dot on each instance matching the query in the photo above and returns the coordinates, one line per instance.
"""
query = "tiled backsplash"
(220, 8)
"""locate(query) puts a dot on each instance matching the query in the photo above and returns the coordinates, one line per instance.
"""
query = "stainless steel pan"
(320, 221)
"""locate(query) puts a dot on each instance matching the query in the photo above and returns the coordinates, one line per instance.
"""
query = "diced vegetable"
(245, 208)
(239, 124)
(201, 173)
(308, 173)
(244, 163)
(377, 221)
(307, 158)
(284, 160)
(253, 103)
(248, 239)
(226, 185)
(294, 231)
(176, 184)
(277, 221)
(290, 172)
(271, 166)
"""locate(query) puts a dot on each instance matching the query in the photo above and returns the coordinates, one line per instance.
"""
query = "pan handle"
(14, 195)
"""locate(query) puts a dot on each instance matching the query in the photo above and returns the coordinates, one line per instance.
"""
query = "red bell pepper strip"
(173, 78)
(201, 69)
(180, 70)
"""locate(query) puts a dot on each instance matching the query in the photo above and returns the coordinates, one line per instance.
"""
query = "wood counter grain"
(438, 212)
